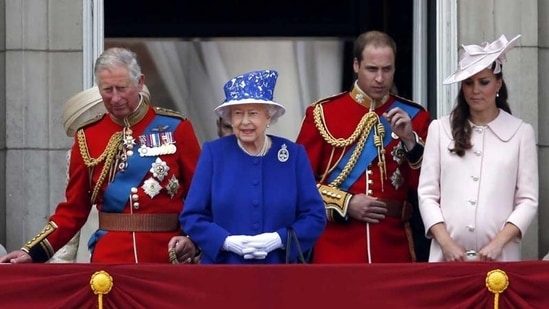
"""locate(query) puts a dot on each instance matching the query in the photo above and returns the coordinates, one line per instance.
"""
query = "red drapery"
(419, 285)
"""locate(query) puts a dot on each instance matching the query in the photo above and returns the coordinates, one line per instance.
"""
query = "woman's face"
(250, 122)
(480, 90)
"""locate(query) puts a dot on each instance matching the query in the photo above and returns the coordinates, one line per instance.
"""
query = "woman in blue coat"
(249, 188)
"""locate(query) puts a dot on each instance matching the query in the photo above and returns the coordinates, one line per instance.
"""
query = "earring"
(497, 94)
(268, 125)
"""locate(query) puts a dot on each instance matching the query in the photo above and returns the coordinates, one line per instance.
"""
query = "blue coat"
(233, 193)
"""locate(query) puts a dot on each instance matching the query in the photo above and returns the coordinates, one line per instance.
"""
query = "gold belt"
(123, 222)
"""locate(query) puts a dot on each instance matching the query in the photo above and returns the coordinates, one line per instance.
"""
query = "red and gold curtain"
(422, 285)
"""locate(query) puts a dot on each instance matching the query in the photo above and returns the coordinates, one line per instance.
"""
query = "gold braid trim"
(334, 200)
(108, 156)
(352, 162)
(368, 121)
(38, 239)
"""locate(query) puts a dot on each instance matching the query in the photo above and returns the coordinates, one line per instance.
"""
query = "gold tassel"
(379, 134)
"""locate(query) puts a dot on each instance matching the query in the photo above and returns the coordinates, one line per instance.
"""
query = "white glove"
(265, 242)
(236, 243)
(251, 253)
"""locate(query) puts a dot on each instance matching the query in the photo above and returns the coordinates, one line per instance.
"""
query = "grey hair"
(272, 111)
(116, 57)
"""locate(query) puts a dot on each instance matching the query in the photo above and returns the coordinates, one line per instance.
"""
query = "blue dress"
(233, 193)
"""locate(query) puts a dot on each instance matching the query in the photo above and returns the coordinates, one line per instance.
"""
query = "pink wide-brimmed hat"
(476, 58)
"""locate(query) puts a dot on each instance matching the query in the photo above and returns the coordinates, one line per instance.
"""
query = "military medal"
(128, 143)
(398, 153)
(396, 179)
(159, 169)
(151, 187)
(156, 144)
(172, 186)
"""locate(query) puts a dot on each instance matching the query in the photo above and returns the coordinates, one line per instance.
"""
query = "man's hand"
(366, 209)
(185, 249)
(401, 125)
(16, 257)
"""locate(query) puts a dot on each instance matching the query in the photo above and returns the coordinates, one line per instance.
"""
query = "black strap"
(291, 235)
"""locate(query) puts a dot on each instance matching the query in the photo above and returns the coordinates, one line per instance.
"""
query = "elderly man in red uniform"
(366, 147)
(135, 163)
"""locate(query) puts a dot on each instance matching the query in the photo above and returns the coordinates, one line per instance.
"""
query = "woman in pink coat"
(478, 188)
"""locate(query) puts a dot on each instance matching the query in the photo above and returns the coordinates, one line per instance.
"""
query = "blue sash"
(117, 193)
(369, 153)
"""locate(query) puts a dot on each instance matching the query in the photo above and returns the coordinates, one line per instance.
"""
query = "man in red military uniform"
(135, 163)
(366, 147)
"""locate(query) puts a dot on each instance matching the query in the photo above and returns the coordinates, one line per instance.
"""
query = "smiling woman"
(235, 210)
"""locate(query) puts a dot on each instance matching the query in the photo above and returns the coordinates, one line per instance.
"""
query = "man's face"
(376, 71)
(120, 94)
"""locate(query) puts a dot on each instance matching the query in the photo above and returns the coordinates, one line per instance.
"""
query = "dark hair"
(459, 117)
(375, 38)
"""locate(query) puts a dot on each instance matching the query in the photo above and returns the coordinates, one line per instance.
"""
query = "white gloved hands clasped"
(251, 253)
(266, 242)
(236, 243)
(253, 247)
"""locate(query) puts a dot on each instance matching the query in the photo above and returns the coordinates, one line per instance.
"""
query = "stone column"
(2, 123)
(543, 116)
(42, 69)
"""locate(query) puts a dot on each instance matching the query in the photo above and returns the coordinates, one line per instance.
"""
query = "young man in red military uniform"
(366, 147)
(134, 163)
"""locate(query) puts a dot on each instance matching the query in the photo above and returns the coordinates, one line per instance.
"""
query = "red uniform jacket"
(354, 241)
(116, 246)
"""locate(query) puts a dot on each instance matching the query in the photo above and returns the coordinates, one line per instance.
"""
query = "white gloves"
(253, 247)
(254, 253)
(266, 241)
(236, 243)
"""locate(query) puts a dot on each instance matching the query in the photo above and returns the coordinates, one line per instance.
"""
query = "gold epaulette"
(329, 98)
(169, 112)
(334, 200)
(408, 102)
(91, 121)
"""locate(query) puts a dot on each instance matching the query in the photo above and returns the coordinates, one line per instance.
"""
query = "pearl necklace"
(262, 152)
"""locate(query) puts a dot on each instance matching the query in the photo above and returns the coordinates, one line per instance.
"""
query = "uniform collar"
(363, 99)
